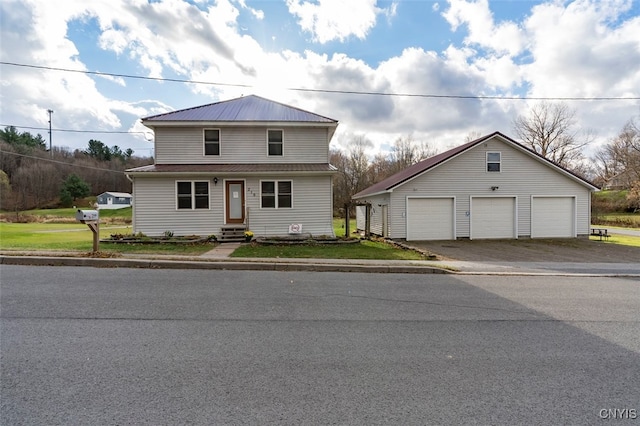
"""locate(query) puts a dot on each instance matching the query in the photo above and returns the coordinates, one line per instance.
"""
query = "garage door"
(430, 219)
(552, 217)
(493, 217)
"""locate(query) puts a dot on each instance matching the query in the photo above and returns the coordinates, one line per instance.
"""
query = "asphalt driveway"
(576, 250)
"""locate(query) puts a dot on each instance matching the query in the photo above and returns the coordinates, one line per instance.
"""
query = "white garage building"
(492, 187)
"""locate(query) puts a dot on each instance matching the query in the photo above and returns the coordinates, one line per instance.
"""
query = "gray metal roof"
(246, 108)
(235, 168)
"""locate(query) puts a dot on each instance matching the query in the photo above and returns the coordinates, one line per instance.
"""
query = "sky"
(434, 71)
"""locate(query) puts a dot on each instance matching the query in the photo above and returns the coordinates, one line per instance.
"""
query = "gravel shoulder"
(527, 250)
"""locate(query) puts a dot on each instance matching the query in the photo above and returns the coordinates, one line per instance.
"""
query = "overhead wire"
(33, 157)
(331, 91)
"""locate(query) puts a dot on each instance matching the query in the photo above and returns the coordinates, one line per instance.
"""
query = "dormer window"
(274, 142)
(493, 161)
(211, 141)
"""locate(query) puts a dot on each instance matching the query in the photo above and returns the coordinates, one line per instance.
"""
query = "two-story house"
(248, 162)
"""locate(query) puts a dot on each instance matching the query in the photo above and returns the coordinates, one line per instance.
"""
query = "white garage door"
(430, 219)
(552, 217)
(493, 217)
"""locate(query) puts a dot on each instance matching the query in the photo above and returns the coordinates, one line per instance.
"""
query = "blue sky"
(511, 48)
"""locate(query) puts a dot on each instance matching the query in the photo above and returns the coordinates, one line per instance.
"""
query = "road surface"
(127, 346)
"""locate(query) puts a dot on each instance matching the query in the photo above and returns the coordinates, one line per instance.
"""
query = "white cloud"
(505, 37)
(577, 51)
(582, 48)
(329, 20)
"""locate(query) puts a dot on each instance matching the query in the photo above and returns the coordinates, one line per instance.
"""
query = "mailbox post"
(92, 219)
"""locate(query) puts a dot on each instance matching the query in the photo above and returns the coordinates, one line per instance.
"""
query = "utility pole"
(50, 111)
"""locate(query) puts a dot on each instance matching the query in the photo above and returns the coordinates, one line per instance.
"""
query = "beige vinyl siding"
(377, 210)
(185, 145)
(361, 219)
(155, 211)
(155, 207)
(312, 207)
(465, 176)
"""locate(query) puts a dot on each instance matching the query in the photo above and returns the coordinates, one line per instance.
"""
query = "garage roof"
(423, 166)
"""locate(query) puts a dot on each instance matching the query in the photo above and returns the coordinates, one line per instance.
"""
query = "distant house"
(114, 200)
(492, 187)
(246, 163)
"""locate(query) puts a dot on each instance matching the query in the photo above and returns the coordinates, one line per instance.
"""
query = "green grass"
(625, 220)
(363, 250)
(338, 226)
(71, 213)
(625, 240)
(78, 237)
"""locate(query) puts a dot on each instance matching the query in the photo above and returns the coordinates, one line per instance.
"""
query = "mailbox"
(87, 215)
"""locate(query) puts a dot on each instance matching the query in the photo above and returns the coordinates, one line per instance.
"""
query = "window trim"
(498, 162)
(281, 143)
(193, 194)
(204, 142)
(275, 194)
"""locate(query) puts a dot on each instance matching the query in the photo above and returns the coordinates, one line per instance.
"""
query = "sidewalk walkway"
(218, 259)
(221, 251)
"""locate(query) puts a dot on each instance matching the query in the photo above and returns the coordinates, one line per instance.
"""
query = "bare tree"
(407, 151)
(472, 136)
(353, 170)
(548, 129)
(619, 160)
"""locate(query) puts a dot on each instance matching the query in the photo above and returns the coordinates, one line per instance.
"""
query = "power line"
(60, 162)
(73, 130)
(343, 92)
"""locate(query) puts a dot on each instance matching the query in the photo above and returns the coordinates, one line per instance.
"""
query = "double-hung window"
(276, 194)
(192, 194)
(211, 141)
(493, 161)
(275, 142)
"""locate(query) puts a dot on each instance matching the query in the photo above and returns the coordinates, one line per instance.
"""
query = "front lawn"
(364, 250)
(624, 220)
(624, 240)
(78, 237)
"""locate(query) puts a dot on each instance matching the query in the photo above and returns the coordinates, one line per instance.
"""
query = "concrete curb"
(280, 265)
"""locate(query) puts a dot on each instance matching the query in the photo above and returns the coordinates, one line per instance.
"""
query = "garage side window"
(493, 161)
(192, 195)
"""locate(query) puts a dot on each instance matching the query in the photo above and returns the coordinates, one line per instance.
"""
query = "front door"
(234, 192)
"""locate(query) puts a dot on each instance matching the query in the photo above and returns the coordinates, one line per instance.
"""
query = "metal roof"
(235, 168)
(247, 108)
(425, 165)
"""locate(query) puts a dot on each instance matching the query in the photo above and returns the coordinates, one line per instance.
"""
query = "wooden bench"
(600, 232)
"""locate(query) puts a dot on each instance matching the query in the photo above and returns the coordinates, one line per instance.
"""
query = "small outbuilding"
(492, 187)
(114, 200)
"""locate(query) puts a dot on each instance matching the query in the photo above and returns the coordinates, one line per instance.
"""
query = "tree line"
(33, 177)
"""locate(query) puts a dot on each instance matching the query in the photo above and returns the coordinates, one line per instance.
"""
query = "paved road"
(127, 346)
